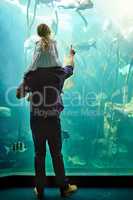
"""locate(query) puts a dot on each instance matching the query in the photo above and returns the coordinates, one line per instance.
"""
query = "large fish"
(86, 46)
(85, 4)
(78, 6)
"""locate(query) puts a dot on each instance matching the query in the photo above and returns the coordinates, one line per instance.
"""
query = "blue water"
(98, 115)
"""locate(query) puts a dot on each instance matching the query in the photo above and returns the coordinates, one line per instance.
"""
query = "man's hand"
(21, 91)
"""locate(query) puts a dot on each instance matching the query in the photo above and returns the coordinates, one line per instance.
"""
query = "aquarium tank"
(97, 122)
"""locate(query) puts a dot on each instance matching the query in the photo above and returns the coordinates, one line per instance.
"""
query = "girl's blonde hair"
(44, 32)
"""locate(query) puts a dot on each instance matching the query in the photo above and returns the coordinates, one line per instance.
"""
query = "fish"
(75, 160)
(85, 4)
(5, 112)
(69, 4)
(75, 4)
(86, 46)
(16, 147)
(78, 6)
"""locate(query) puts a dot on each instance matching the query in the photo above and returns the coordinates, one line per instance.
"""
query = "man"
(46, 105)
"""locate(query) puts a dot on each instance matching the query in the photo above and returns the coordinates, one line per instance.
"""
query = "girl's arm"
(70, 59)
(68, 70)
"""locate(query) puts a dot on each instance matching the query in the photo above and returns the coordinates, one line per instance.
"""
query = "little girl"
(45, 56)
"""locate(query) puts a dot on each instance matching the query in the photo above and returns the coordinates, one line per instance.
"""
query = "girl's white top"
(45, 58)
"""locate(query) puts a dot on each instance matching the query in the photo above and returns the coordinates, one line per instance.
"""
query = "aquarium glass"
(97, 122)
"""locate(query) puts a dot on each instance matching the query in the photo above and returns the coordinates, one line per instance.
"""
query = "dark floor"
(81, 194)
